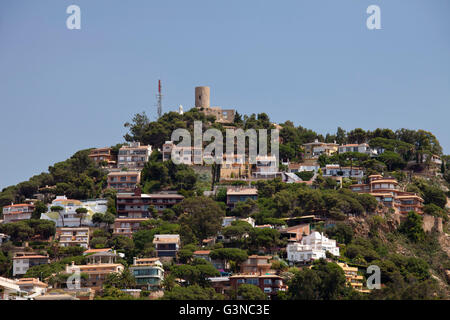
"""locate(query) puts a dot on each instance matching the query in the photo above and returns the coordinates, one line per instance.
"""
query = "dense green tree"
(203, 215)
(392, 160)
(194, 292)
(39, 208)
(412, 227)
(357, 136)
(195, 274)
(324, 281)
(263, 238)
(341, 232)
(229, 254)
(251, 292)
(120, 280)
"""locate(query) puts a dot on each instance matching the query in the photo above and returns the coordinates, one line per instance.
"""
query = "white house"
(299, 167)
(361, 148)
(266, 167)
(312, 247)
(226, 221)
(68, 217)
(34, 287)
(10, 290)
(23, 261)
(334, 170)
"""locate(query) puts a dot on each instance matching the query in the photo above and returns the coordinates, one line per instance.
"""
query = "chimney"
(134, 260)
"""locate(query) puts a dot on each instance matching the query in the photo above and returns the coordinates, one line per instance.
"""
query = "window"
(267, 281)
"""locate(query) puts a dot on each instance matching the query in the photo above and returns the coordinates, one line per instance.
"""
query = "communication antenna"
(159, 99)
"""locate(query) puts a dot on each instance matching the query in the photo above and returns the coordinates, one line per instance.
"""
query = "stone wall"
(430, 222)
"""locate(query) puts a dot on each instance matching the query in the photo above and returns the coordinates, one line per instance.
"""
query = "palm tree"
(59, 209)
(81, 213)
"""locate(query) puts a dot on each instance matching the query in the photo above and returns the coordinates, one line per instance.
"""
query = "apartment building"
(270, 284)
(72, 237)
(311, 247)
(148, 272)
(22, 261)
(137, 204)
(103, 156)
(166, 245)
(133, 156)
(17, 212)
(235, 195)
(388, 192)
(124, 181)
(314, 149)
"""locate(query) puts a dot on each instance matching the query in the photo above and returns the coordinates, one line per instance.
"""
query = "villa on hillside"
(387, 192)
(68, 217)
(314, 149)
(311, 247)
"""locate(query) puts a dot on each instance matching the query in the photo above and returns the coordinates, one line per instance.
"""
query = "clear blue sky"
(312, 62)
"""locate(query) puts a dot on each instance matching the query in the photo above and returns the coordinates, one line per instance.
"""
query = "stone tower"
(202, 97)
